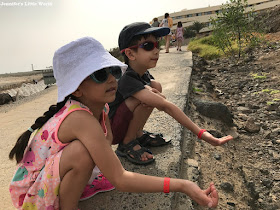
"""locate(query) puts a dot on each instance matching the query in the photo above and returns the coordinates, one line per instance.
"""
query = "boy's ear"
(78, 93)
(130, 54)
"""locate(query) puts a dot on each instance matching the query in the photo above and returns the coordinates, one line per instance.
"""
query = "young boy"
(138, 93)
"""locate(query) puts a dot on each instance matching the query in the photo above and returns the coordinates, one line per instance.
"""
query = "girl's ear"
(130, 54)
(78, 93)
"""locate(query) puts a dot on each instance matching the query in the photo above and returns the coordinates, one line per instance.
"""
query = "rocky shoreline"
(16, 86)
(245, 170)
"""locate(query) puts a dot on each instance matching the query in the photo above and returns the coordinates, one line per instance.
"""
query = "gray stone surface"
(173, 71)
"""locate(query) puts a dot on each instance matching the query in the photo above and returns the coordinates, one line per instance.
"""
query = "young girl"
(74, 136)
(179, 35)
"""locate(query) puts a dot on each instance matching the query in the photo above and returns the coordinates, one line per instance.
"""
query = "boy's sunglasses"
(148, 46)
(102, 75)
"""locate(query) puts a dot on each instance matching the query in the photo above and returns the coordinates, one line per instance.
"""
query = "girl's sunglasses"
(102, 75)
(148, 46)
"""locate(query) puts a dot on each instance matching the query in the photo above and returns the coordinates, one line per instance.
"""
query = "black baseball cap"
(139, 28)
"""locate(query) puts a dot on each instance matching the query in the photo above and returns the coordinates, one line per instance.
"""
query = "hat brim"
(158, 31)
(91, 64)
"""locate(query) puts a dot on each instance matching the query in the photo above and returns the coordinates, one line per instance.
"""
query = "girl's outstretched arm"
(83, 126)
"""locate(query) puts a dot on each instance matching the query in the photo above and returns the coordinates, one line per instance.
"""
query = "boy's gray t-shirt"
(129, 84)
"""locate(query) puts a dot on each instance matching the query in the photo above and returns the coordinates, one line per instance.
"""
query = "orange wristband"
(166, 185)
(200, 133)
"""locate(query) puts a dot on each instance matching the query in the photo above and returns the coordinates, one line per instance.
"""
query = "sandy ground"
(14, 120)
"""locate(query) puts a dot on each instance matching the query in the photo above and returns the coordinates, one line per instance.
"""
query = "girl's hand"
(208, 197)
(212, 194)
(215, 141)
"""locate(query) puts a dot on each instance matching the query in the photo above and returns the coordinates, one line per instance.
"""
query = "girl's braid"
(21, 144)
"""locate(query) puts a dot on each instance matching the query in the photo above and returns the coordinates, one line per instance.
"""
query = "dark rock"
(241, 103)
(267, 183)
(227, 187)
(217, 156)
(251, 126)
(252, 189)
(209, 87)
(244, 110)
(199, 62)
(272, 107)
(242, 116)
(253, 106)
(221, 70)
(216, 133)
(5, 98)
(208, 76)
(249, 59)
(231, 204)
(214, 110)
(242, 84)
(264, 171)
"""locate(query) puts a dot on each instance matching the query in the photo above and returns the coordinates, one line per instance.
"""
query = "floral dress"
(179, 34)
(36, 182)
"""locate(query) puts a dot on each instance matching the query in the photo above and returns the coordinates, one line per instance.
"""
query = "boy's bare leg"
(154, 84)
(141, 113)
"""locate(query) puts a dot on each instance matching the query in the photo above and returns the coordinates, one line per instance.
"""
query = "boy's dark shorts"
(120, 123)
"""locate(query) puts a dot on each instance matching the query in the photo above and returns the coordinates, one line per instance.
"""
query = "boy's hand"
(154, 91)
(157, 92)
(215, 141)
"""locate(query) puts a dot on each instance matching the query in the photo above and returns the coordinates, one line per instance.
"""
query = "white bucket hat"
(78, 59)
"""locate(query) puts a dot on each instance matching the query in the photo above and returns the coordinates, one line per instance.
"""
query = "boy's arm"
(154, 100)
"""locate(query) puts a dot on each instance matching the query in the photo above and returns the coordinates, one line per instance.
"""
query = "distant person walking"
(179, 35)
(167, 22)
(155, 22)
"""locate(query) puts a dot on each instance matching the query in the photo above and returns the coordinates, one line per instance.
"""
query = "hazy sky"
(30, 31)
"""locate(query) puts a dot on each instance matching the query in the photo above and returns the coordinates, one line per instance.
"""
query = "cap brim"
(158, 31)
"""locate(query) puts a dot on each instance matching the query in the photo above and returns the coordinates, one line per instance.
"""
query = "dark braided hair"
(21, 144)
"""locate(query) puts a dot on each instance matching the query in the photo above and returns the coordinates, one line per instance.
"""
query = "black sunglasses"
(148, 46)
(102, 75)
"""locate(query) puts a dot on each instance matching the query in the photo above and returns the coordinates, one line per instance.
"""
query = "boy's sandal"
(134, 156)
(154, 134)
(153, 141)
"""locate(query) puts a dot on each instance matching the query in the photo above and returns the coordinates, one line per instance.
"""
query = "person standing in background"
(167, 22)
(179, 35)
(155, 22)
